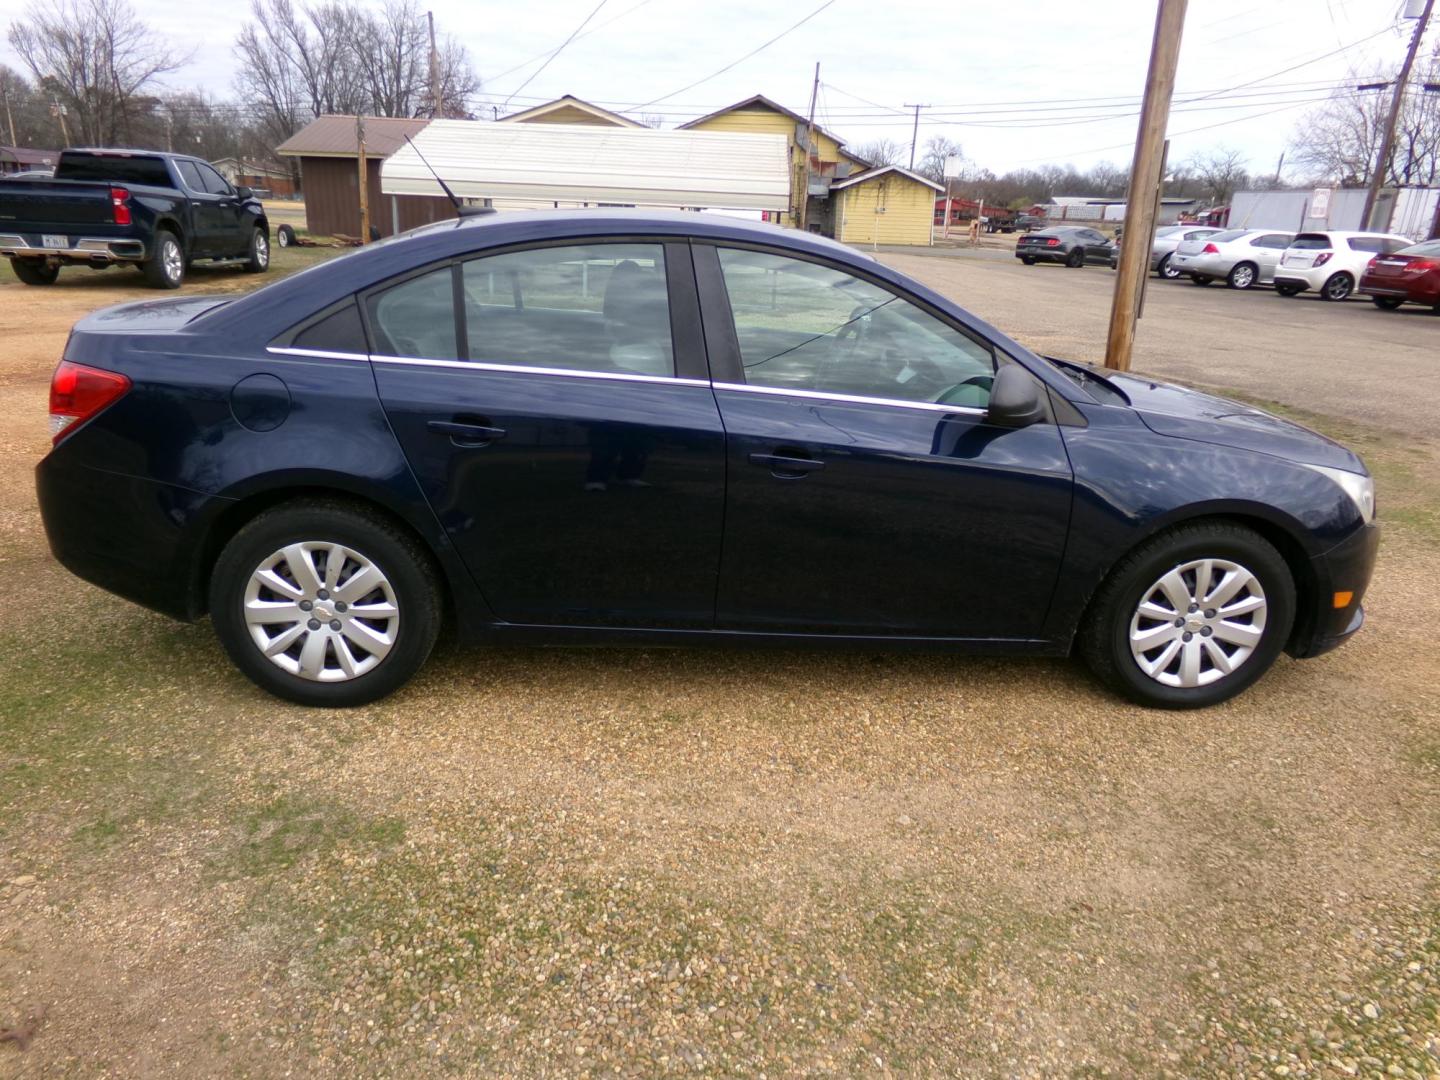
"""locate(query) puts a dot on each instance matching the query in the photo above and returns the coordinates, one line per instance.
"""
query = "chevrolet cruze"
(667, 428)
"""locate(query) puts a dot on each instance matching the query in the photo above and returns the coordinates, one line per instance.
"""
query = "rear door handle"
(785, 466)
(462, 434)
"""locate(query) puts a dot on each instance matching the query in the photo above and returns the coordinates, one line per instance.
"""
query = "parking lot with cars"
(736, 860)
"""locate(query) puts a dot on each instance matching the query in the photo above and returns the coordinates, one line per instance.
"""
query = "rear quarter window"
(116, 168)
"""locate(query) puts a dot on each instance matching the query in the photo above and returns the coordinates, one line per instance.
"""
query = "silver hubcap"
(262, 249)
(1198, 623)
(172, 260)
(1244, 276)
(1338, 288)
(1166, 270)
(321, 611)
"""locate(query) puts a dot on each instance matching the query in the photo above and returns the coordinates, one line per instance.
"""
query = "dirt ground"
(646, 862)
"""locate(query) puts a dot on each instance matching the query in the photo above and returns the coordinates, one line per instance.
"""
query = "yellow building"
(888, 205)
(570, 110)
(847, 199)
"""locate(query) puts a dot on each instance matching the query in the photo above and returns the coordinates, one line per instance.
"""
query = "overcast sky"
(1016, 84)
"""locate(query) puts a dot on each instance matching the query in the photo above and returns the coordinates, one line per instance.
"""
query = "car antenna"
(461, 210)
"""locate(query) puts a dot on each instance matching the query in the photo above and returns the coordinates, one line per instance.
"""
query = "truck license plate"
(49, 240)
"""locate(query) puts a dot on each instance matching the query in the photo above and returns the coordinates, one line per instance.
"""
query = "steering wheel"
(980, 382)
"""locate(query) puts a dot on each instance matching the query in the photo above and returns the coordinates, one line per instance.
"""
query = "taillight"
(1322, 258)
(1052, 242)
(120, 203)
(1209, 249)
(78, 392)
(1421, 265)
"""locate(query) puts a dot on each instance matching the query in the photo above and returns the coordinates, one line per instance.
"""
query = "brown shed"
(329, 173)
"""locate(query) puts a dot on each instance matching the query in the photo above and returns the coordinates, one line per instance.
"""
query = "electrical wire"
(735, 63)
(577, 37)
(573, 35)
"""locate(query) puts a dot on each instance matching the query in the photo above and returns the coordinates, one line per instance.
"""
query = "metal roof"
(584, 163)
(334, 136)
(570, 101)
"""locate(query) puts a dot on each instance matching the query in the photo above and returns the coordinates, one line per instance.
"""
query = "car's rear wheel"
(1075, 259)
(1386, 303)
(1199, 279)
(1191, 618)
(322, 603)
(257, 259)
(35, 271)
(165, 269)
(1165, 270)
(1242, 275)
(1338, 286)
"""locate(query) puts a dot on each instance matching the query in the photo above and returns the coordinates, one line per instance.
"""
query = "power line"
(587, 33)
(736, 63)
(573, 34)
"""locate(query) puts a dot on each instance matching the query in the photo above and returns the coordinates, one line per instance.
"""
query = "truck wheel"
(166, 269)
(285, 236)
(258, 257)
(35, 271)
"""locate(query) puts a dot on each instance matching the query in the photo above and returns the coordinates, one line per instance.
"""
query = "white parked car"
(1331, 262)
(1239, 257)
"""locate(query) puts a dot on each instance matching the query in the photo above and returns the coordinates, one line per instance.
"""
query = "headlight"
(1361, 489)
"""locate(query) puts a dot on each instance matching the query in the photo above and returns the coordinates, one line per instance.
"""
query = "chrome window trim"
(321, 354)
(853, 399)
(526, 369)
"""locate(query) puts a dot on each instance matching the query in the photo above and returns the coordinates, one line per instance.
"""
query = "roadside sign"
(1320, 203)
(952, 166)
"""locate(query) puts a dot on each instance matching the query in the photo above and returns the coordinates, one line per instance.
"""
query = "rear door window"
(191, 176)
(1272, 240)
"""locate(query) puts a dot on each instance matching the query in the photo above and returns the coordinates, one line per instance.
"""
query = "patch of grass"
(289, 828)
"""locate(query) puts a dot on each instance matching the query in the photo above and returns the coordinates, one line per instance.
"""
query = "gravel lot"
(649, 862)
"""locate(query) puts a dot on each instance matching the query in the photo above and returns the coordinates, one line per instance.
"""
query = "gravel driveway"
(727, 862)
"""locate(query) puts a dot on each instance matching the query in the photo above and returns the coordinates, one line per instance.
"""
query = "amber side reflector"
(1342, 599)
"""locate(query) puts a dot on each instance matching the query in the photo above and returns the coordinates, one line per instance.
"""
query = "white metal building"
(527, 166)
(1411, 210)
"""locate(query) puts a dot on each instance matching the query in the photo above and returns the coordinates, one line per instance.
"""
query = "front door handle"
(786, 466)
(463, 434)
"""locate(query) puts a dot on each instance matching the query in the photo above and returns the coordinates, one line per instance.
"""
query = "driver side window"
(805, 326)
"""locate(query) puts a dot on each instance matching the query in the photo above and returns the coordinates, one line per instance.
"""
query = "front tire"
(35, 271)
(1190, 618)
(1338, 287)
(257, 259)
(1242, 275)
(165, 269)
(326, 604)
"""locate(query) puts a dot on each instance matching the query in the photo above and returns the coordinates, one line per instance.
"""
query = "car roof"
(1347, 233)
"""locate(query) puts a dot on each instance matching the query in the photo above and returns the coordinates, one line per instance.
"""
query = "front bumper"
(1344, 568)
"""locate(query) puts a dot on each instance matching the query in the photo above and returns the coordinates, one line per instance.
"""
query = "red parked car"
(1411, 274)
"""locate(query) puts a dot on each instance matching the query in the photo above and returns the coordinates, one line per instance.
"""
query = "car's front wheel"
(1199, 279)
(1288, 290)
(1192, 617)
(323, 603)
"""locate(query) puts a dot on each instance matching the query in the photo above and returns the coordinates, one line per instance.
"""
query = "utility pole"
(1387, 143)
(435, 109)
(1146, 175)
(56, 109)
(9, 117)
(804, 213)
(915, 132)
(364, 181)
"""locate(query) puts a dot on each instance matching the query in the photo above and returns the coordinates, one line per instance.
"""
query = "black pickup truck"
(157, 211)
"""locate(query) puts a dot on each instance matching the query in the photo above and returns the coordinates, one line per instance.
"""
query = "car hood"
(1189, 414)
(149, 316)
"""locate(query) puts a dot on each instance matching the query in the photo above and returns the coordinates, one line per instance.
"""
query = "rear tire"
(1337, 287)
(257, 259)
(405, 598)
(166, 267)
(1386, 303)
(1132, 608)
(35, 271)
(1242, 275)
(1165, 270)
(1076, 259)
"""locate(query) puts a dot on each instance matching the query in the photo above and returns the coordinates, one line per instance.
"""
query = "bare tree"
(95, 57)
(1339, 141)
(652, 120)
(1218, 173)
(938, 150)
(25, 109)
(881, 152)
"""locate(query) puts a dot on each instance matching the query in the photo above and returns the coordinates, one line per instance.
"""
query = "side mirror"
(1015, 398)
(243, 192)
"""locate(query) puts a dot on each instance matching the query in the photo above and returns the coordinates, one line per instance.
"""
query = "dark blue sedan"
(666, 428)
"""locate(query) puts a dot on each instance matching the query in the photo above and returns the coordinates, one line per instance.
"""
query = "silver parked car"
(1167, 239)
(1240, 257)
